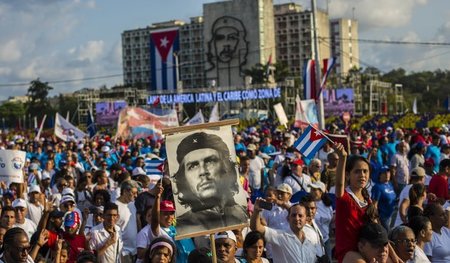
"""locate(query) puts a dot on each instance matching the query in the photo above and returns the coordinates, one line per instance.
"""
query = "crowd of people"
(382, 198)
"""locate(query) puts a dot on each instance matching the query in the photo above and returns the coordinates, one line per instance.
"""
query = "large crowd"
(383, 198)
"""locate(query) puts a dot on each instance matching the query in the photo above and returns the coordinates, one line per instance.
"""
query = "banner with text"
(218, 96)
(11, 165)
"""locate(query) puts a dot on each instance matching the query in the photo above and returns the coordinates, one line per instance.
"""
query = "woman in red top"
(354, 208)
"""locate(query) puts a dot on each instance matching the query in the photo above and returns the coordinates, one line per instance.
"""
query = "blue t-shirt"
(385, 195)
(435, 153)
(267, 149)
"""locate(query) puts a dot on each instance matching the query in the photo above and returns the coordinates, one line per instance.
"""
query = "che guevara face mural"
(227, 47)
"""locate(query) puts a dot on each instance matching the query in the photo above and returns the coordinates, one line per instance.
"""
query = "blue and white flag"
(310, 142)
(164, 44)
(154, 166)
(66, 131)
(197, 119)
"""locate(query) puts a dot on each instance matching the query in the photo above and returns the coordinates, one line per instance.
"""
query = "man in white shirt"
(35, 208)
(288, 246)
(106, 238)
(311, 229)
(127, 219)
(297, 180)
(256, 169)
(400, 167)
(26, 224)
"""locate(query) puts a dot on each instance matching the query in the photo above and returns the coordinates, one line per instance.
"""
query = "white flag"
(67, 131)
(414, 107)
(38, 135)
(197, 119)
(214, 113)
(279, 110)
(305, 113)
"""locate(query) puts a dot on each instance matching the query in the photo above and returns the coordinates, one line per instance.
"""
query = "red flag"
(340, 138)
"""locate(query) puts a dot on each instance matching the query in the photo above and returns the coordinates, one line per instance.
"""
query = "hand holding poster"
(208, 195)
(11, 165)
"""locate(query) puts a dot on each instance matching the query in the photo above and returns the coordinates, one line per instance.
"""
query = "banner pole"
(213, 248)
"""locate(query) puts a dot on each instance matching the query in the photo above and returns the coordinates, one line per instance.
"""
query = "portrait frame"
(191, 218)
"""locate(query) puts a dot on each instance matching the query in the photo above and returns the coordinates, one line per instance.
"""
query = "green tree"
(281, 71)
(68, 104)
(38, 103)
(257, 72)
(10, 113)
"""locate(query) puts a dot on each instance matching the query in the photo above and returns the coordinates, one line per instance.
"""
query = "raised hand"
(340, 150)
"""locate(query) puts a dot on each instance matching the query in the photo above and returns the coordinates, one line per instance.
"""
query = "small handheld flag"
(310, 142)
(154, 166)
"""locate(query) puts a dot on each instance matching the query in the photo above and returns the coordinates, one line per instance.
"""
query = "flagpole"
(320, 110)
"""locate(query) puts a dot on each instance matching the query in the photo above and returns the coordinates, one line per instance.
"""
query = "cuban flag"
(310, 142)
(328, 64)
(309, 80)
(164, 44)
(154, 166)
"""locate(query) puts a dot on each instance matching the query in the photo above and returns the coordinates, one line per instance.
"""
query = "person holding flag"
(354, 208)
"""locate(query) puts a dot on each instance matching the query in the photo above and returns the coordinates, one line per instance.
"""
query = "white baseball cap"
(319, 185)
(34, 188)
(228, 234)
(19, 202)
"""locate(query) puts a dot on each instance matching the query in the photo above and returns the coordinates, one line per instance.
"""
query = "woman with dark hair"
(416, 156)
(438, 249)
(417, 195)
(423, 231)
(143, 239)
(161, 250)
(254, 248)
(354, 208)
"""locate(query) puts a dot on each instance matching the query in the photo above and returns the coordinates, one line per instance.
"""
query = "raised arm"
(48, 207)
(255, 220)
(340, 170)
(156, 211)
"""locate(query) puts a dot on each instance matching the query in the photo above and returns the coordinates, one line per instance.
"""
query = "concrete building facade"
(238, 35)
(343, 43)
(294, 36)
(192, 54)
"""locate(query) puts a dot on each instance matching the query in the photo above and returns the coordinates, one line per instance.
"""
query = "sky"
(65, 41)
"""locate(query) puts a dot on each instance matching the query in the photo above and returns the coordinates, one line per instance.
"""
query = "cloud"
(10, 51)
(91, 50)
(375, 14)
(35, 42)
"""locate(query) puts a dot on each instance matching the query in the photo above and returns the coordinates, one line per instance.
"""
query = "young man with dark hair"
(290, 245)
(106, 238)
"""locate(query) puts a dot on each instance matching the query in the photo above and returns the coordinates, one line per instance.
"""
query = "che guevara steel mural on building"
(227, 51)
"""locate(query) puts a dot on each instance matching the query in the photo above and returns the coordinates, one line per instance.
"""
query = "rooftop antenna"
(353, 13)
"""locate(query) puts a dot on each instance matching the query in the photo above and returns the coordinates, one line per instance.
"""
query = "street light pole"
(320, 110)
